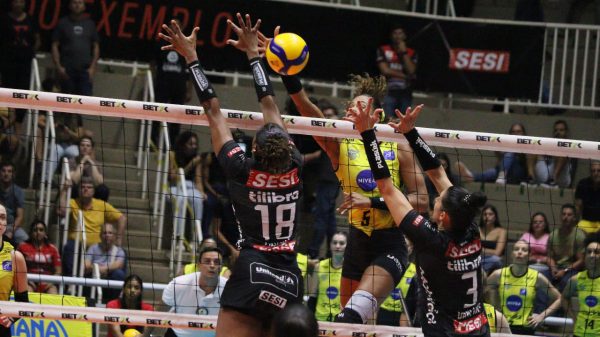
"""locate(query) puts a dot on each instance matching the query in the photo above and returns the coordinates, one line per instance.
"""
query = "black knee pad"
(392, 264)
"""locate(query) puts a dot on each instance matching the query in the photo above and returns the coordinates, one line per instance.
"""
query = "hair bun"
(476, 199)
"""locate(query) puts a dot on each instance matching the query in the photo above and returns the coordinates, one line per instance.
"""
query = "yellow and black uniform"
(517, 295)
(490, 312)
(328, 296)
(373, 237)
(7, 271)
(391, 308)
(588, 317)
(302, 263)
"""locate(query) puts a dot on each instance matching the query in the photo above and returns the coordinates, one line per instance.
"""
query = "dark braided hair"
(462, 206)
(273, 149)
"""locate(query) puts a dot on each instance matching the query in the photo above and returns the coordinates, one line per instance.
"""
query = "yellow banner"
(39, 327)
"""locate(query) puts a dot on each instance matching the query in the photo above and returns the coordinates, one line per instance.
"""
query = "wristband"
(378, 165)
(378, 203)
(22, 297)
(292, 84)
(262, 82)
(204, 89)
(424, 153)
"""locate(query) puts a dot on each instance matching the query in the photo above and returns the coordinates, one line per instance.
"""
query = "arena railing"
(179, 213)
(161, 185)
(45, 191)
(67, 183)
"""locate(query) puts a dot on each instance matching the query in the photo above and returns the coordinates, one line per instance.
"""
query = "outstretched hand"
(184, 45)
(248, 35)
(263, 41)
(407, 120)
(363, 117)
(354, 200)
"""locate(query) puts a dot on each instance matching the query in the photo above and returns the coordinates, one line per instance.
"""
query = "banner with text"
(453, 56)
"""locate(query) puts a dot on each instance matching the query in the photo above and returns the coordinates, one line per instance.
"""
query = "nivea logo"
(591, 301)
(389, 155)
(523, 291)
(365, 180)
(332, 292)
(514, 303)
(7, 265)
(396, 294)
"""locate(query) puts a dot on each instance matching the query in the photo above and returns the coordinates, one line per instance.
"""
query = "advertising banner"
(37, 326)
(453, 56)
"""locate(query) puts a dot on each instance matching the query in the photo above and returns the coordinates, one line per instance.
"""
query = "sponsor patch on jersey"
(353, 154)
(591, 301)
(470, 325)
(332, 292)
(265, 180)
(271, 298)
(455, 251)
(417, 221)
(396, 294)
(514, 303)
(7, 266)
(389, 155)
(234, 151)
(523, 291)
(365, 180)
(281, 279)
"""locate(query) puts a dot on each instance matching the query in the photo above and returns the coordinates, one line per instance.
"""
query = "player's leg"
(232, 323)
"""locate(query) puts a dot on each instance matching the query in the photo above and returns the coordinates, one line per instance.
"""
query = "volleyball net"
(142, 187)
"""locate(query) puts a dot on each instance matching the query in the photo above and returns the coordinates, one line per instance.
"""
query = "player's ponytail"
(462, 206)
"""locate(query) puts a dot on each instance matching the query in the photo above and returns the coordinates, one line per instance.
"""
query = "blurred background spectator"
(13, 198)
(587, 200)
(493, 238)
(41, 257)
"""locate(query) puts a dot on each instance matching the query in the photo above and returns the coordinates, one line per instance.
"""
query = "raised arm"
(248, 40)
(427, 158)
(186, 46)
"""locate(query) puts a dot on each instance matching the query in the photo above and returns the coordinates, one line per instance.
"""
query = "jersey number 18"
(280, 220)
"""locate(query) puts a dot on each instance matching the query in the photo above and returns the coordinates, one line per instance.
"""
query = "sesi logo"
(264, 180)
(455, 251)
(493, 61)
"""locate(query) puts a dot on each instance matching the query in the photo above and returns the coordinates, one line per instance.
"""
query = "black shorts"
(263, 283)
(385, 248)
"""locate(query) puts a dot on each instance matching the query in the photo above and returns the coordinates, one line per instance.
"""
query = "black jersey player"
(264, 190)
(448, 257)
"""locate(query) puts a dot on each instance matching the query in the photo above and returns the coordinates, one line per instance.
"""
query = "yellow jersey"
(517, 295)
(588, 317)
(490, 312)
(355, 175)
(328, 300)
(7, 271)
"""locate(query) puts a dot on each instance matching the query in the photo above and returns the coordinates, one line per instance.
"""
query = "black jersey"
(450, 279)
(265, 204)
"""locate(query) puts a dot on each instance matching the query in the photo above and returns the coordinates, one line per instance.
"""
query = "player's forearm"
(264, 90)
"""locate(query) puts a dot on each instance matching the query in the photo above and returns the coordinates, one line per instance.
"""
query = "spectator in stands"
(587, 200)
(172, 85)
(537, 237)
(198, 293)
(324, 285)
(510, 167)
(217, 202)
(566, 248)
(454, 178)
(398, 63)
(131, 298)
(95, 214)
(580, 297)
(185, 155)
(110, 259)
(513, 290)
(9, 139)
(75, 50)
(19, 40)
(193, 266)
(66, 141)
(13, 198)
(86, 165)
(552, 171)
(295, 320)
(41, 257)
(327, 191)
(493, 238)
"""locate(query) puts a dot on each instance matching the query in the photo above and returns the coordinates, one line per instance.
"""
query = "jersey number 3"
(282, 223)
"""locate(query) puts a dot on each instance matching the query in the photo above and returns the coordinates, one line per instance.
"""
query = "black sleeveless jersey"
(449, 270)
(265, 204)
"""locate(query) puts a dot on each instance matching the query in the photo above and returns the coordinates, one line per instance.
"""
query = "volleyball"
(131, 333)
(287, 53)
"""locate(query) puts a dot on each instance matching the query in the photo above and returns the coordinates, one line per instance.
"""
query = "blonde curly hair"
(366, 85)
